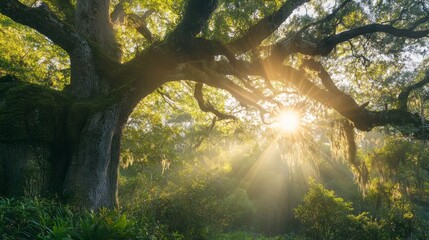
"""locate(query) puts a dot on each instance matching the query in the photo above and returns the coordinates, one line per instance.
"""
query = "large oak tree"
(337, 53)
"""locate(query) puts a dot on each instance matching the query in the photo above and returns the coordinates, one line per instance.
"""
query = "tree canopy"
(364, 59)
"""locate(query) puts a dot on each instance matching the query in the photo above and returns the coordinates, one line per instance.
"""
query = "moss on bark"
(30, 112)
(32, 130)
(41, 140)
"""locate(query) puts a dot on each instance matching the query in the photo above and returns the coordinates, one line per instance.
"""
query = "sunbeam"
(289, 120)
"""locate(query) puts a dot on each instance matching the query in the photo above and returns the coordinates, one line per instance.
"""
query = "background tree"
(261, 52)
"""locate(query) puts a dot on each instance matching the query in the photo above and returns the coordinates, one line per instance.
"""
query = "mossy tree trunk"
(69, 141)
(52, 144)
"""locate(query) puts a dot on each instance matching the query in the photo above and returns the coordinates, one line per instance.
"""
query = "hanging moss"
(343, 146)
(343, 143)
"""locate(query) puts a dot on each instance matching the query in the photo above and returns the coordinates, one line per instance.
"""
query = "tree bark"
(55, 145)
(91, 179)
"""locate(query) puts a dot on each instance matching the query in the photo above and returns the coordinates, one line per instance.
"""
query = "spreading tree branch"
(196, 16)
(265, 27)
(403, 96)
(409, 124)
(206, 106)
(198, 73)
(45, 22)
(329, 43)
(295, 44)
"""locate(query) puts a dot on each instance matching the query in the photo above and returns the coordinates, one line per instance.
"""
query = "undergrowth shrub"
(196, 205)
(46, 219)
(325, 216)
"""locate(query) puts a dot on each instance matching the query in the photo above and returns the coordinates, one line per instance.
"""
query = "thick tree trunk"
(91, 179)
(53, 145)
(33, 156)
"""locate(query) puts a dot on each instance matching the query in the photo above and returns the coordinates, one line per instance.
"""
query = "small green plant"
(105, 225)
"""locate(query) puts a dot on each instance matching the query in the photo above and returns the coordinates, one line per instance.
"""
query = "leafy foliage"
(325, 216)
(46, 219)
(31, 56)
(190, 201)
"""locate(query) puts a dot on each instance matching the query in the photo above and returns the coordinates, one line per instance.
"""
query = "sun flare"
(289, 120)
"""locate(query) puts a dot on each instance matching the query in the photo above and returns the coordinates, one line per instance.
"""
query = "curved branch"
(295, 44)
(265, 27)
(409, 124)
(43, 21)
(329, 43)
(83, 71)
(200, 74)
(403, 96)
(207, 106)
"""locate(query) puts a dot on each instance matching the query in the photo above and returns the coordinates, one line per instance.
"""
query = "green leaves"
(326, 216)
(31, 56)
(323, 213)
(47, 219)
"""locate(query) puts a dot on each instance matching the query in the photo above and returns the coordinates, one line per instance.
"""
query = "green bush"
(192, 202)
(325, 216)
(199, 210)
